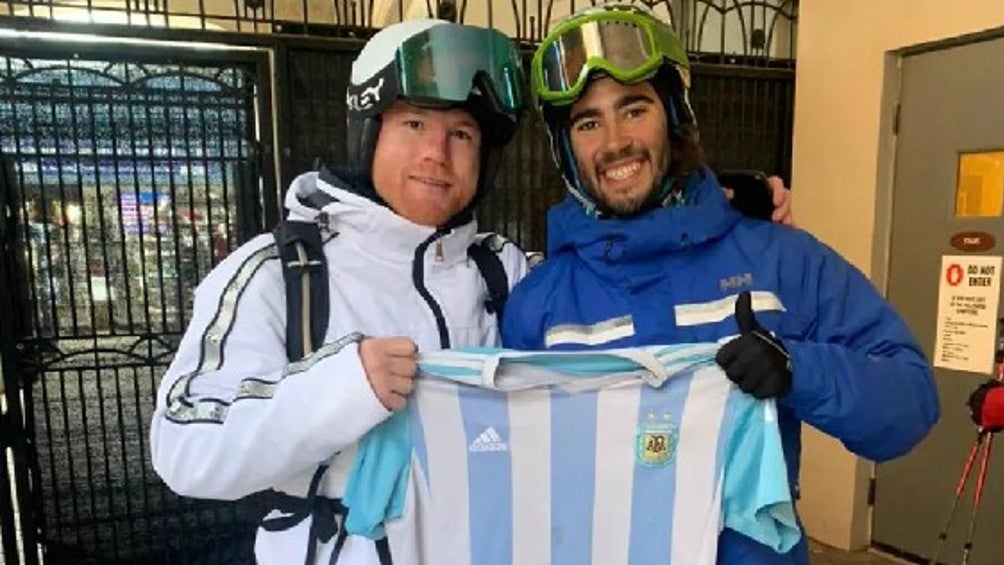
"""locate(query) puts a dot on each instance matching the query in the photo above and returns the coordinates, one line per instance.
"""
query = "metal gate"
(129, 173)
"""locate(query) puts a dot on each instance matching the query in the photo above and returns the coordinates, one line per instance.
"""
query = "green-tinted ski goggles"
(442, 64)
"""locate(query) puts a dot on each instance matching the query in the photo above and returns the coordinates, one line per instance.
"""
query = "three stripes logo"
(488, 441)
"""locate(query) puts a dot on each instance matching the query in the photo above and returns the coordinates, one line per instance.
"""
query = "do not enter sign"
(967, 312)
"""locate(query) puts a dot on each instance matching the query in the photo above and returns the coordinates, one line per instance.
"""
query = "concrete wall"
(840, 173)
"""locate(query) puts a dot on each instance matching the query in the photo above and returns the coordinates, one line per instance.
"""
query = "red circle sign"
(954, 274)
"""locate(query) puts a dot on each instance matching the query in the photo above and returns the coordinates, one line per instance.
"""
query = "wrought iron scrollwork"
(746, 29)
(40, 355)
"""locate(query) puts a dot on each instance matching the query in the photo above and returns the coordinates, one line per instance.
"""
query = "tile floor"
(820, 554)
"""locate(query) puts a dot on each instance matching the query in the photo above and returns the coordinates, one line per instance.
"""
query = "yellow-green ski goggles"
(628, 45)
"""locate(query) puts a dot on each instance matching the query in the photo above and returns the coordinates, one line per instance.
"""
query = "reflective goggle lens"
(442, 62)
(622, 48)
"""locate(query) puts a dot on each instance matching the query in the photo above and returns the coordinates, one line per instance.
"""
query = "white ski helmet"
(436, 64)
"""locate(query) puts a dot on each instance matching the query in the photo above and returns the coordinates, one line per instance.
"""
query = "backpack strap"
(305, 272)
(383, 551)
(485, 256)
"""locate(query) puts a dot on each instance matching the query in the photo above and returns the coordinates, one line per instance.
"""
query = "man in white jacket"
(431, 104)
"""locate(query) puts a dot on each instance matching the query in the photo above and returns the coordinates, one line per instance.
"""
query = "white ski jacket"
(234, 417)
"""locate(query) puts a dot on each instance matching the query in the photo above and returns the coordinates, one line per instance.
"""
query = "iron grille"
(756, 31)
(130, 181)
(745, 116)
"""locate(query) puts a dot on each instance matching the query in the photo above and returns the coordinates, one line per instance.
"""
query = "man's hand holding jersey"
(390, 365)
(756, 361)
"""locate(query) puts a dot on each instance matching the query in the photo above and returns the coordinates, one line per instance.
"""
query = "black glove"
(756, 361)
(987, 416)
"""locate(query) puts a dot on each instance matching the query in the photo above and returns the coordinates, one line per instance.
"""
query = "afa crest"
(655, 442)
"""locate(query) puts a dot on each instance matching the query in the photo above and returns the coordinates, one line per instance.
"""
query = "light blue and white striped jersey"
(638, 455)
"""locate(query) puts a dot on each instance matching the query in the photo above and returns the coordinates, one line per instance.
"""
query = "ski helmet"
(624, 41)
(440, 65)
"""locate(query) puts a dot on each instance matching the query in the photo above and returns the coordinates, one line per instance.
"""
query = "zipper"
(418, 279)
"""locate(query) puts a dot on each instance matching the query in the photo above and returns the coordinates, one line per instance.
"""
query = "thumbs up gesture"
(756, 361)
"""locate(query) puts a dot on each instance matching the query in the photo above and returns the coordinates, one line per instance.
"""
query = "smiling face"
(620, 138)
(426, 162)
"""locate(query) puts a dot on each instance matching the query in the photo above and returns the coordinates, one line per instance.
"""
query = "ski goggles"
(628, 46)
(444, 63)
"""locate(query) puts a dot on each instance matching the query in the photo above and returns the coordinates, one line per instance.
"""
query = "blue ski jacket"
(671, 275)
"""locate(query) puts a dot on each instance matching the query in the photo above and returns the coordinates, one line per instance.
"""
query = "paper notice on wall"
(968, 296)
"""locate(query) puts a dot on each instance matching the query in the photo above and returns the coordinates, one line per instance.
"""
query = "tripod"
(985, 439)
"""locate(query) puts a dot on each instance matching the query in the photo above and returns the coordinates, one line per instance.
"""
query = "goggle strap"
(674, 120)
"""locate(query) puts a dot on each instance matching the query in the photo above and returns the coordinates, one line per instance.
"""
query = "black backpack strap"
(382, 545)
(305, 271)
(383, 551)
(490, 266)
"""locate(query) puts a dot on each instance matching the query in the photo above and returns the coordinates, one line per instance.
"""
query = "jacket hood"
(358, 180)
(704, 215)
(331, 198)
(310, 193)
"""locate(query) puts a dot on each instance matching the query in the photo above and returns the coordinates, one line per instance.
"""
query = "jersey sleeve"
(756, 499)
(376, 488)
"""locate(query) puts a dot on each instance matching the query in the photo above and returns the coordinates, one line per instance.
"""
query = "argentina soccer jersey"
(637, 455)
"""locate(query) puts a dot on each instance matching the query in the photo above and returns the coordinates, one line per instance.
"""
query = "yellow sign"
(979, 190)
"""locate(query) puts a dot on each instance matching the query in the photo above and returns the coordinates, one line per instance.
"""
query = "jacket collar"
(623, 243)
(373, 227)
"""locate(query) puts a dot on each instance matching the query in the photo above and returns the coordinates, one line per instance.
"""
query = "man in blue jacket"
(646, 250)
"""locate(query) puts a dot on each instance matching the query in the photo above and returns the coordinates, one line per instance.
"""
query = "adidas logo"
(488, 441)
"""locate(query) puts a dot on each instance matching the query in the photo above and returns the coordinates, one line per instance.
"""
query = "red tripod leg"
(981, 478)
(959, 489)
